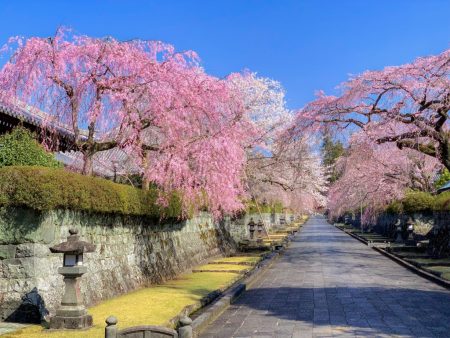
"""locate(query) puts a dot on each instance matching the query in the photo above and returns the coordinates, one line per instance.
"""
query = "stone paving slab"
(10, 327)
(327, 284)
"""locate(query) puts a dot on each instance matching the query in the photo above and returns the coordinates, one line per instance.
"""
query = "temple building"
(109, 163)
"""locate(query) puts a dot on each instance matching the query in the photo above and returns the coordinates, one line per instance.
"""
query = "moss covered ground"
(244, 260)
(221, 267)
(441, 271)
(154, 305)
(430, 261)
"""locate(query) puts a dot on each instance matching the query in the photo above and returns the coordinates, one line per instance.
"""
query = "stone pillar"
(111, 327)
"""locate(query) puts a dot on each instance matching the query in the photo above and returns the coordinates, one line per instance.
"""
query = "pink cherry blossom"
(406, 105)
(186, 129)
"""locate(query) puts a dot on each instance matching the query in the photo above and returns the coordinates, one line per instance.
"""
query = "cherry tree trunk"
(88, 164)
(145, 183)
(446, 154)
(145, 179)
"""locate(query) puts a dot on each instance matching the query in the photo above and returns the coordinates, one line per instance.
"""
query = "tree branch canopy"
(397, 104)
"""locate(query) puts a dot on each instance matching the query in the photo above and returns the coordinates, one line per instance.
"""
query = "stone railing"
(184, 331)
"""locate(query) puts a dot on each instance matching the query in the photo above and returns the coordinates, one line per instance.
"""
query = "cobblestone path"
(328, 284)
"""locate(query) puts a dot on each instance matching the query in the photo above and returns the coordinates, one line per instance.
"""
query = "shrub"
(45, 189)
(276, 207)
(396, 207)
(442, 201)
(19, 147)
(415, 201)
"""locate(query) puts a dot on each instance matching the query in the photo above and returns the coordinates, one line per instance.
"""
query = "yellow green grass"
(442, 271)
(272, 240)
(150, 306)
(283, 232)
(277, 236)
(222, 267)
(245, 260)
(431, 261)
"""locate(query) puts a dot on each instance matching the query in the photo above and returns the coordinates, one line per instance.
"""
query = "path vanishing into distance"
(328, 284)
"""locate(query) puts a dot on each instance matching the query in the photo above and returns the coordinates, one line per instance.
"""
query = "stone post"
(185, 329)
(111, 327)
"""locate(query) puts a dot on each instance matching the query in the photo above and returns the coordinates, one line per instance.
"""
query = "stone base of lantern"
(410, 242)
(71, 323)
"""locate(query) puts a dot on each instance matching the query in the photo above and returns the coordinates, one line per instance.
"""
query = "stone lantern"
(398, 231)
(410, 229)
(72, 313)
(251, 228)
(260, 226)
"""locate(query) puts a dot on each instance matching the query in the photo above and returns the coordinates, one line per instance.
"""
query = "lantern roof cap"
(73, 245)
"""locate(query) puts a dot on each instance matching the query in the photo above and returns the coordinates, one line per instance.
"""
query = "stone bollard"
(111, 327)
(185, 329)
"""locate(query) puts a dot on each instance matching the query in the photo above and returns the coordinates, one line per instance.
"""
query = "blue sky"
(306, 45)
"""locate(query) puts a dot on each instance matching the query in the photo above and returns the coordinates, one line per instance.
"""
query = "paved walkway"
(328, 284)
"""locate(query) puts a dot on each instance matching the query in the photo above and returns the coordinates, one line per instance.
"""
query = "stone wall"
(423, 222)
(131, 252)
(385, 222)
(238, 229)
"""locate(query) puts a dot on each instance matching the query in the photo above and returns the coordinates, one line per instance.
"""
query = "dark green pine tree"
(331, 151)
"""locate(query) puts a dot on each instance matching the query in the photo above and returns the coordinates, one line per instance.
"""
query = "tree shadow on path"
(374, 310)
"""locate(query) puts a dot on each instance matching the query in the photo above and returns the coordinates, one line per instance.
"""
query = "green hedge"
(45, 189)
(419, 201)
(276, 207)
(415, 201)
(442, 201)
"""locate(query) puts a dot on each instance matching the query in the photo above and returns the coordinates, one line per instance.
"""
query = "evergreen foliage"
(46, 189)
(19, 147)
(331, 150)
(276, 207)
(420, 201)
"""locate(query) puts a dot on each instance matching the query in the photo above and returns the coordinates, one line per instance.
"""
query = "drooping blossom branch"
(406, 105)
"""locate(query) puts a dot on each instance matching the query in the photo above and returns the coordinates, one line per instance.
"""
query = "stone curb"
(215, 309)
(215, 296)
(218, 301)
(425, 274)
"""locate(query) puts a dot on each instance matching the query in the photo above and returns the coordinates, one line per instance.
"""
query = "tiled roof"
(36, 117)
(104, 162)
